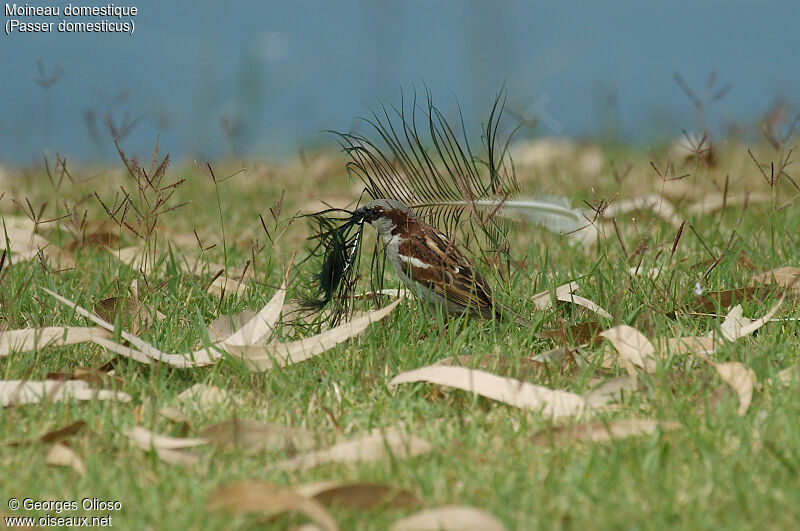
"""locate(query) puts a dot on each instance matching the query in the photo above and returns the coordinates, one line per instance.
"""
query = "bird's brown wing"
(451, 275)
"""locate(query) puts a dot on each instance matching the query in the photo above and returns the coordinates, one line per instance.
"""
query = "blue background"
(283, 71)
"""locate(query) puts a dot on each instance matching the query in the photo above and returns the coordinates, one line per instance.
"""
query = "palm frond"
(338, 244)
(437, 174)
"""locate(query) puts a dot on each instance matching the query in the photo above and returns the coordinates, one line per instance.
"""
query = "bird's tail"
(504, 312)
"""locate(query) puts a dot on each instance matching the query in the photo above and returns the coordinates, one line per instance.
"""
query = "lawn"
(700, 436)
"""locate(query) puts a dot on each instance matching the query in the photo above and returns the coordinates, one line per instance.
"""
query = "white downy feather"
(553, 213)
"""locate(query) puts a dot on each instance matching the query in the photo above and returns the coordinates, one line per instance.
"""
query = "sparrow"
(429, 264)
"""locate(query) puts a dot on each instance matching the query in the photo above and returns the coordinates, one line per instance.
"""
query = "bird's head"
(385, 215)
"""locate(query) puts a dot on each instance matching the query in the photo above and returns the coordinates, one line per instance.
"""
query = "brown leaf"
(257, 497)
(62, 455)
(252, 435)
(98, 377)
(575, 334)
(102, 235)
(602, 431)
(364, 496)
(375, 446)
(449, 518)
(711, 300)
(552, 403)
(62, 433)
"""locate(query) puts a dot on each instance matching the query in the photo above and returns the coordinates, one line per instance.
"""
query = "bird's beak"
(360, 215)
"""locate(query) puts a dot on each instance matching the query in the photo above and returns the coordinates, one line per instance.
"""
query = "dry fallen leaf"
(543, 301)
(174, 415)
(375, 446)
(168, 449)
(711, 300)
(566, 293)
(633, 347)
(364, 496)
(102, 377)
(69, 430)
(602, 431)
(701, 345)
(226, 325)
(254, 330)
(787, 277)
(449, 518)
(733, 324)
(586, 303)
(22, 243)
(62, 455)
(33, 392)
(576, 334)
(610, 390)
(177, 457)
(261, 326)
(552, 403)
(741, 378)
(257, 497)
(252, 435)
(29, 339)
(132, 256)
(223, 285)
(734, 332)
(147, 440)
(280, 354)
(142, 351)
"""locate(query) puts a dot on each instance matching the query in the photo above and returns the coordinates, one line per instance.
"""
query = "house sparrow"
(429, 264)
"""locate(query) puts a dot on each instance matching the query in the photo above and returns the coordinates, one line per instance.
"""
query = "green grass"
(718, 470)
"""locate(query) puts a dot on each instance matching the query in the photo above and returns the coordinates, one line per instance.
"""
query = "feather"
(553, 213)
(447, 182)
(339, 248)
